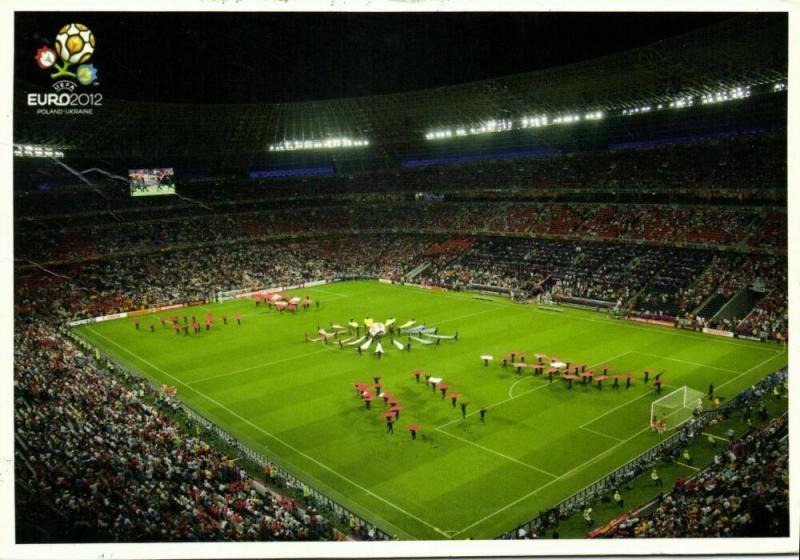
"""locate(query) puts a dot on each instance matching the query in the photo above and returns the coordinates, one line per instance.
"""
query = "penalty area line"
(687, 362)
(758, 365)
(545, 485)
(600, 434)
(606, 413)
(529, 391)
(508, 458)
(590, 461)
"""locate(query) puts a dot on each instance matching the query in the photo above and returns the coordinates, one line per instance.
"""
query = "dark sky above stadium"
(269, 57)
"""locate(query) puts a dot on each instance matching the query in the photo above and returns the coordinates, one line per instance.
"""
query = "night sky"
(267, 57)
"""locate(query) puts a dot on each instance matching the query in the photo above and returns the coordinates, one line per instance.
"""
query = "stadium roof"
(748, 49)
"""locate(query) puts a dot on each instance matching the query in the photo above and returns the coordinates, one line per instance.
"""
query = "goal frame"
(686, 404)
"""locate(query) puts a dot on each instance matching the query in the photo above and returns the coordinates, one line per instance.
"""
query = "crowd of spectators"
(673, 270)
(769, 318)
(764, 277)
(137, 281)
(100, 458)
(743, 494)
(730, 461)
(99, 452)
(708, 226)
(664, 281)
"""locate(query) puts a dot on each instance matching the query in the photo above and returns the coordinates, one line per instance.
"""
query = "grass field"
(294, 400)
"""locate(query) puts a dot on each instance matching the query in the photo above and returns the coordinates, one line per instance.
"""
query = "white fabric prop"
(421, 341)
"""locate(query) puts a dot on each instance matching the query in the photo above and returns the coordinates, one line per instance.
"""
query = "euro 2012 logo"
(74, 45)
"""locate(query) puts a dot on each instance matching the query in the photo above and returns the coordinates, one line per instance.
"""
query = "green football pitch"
(295, 401)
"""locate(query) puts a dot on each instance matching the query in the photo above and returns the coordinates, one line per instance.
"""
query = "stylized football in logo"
(75, 43)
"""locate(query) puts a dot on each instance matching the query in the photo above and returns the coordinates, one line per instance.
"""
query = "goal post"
(674, 409)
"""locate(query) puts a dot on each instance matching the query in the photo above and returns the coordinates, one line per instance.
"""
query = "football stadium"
(532, 302)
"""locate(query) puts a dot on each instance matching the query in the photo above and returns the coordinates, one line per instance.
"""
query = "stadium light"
(566, 119)
(534, 121)
(37, 151)
(490, 126)
(443, 133)
(722, 96)
(332, 143)
(542, 120)
(636, 110)
(681, 102)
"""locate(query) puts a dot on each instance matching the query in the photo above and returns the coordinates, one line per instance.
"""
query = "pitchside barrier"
(321, 499)
(290, 480)
(644, 510)
(249, 292)
(606, 484)
(585, 303)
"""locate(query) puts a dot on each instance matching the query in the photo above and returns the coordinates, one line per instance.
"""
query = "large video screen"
(152, 182)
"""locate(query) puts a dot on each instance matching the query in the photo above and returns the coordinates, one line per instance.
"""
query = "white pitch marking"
(511, 389)
(600, 433)
(257, 366)
(335, 295)
(532, 390)
(512, 459)
(546, 484)
(626, 403)
(276, 438)
(494, 405)
(464, 316)
(620, 323)
(749, 370)
(590, 461)
(687, 362)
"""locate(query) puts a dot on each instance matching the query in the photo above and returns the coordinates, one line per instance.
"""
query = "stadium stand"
(741, 492)
(744, 493)
(681, 218)
(113, 466)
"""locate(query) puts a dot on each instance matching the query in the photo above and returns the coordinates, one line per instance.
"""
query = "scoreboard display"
(152, 182)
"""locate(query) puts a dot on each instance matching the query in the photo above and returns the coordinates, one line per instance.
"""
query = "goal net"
(672, 410)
